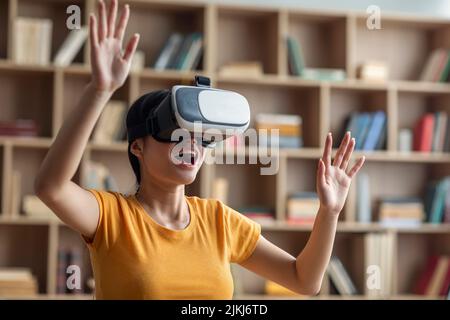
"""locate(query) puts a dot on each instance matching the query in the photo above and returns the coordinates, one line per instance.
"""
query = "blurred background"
(379, 69)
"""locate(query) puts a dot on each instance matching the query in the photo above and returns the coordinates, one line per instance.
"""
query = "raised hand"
(110, 66)
(333, 180)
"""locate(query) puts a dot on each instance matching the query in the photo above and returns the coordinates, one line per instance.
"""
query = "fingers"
(356, 167)
(131, 47)
(123, 21)
(93, 37)
(348, 154)
(341, 150)
(112, 18)
(321, 181)
(102, 27)
(326, 157)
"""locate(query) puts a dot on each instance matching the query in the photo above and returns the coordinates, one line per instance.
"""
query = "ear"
(137, 148)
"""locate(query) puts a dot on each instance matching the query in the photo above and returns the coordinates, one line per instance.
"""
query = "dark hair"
(136, 115)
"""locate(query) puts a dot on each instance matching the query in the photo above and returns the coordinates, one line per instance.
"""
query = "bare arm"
(304, 274)
(74, 205)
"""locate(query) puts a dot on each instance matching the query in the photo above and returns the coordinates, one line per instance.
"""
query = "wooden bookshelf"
(235, 33)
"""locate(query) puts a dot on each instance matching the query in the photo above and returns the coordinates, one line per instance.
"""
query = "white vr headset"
(217, 114)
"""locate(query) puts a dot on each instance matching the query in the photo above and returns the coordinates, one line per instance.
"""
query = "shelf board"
(8, 65)
(347, 227)
(422, 87)
(356, 227)
(388, 156)
(52, 297)
(24, 220)
(333, 297)
(29, 142)
(150, 73)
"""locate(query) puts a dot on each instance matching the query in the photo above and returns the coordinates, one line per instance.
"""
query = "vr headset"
(208, 113)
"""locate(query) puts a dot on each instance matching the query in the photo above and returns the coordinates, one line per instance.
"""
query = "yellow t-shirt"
(134, 257)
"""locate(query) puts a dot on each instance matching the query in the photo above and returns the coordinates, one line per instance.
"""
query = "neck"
(163, 200)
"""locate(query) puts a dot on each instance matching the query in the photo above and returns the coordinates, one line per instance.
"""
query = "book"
(368, 129)
(363, 123)
(340, 277)
(423, 133)
(434, 278)
(323, 74)
(71, 46)
(437, 209)
(193, 54)
(17, 282)
(435, 68)
(19, 127)
(437, 279)
(302, 207)
(373, 71)
(405, 140)
(369, 142)
(169, 51)
(16, 189)
(295, 56)
(32, 44)
(289, 129)
(401, 212)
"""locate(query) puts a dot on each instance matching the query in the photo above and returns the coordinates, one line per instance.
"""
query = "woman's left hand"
(333, 179)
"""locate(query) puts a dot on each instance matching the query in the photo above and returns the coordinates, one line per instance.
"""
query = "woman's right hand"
(110, 67)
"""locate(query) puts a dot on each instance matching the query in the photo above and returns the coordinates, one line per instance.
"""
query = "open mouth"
(187, 157)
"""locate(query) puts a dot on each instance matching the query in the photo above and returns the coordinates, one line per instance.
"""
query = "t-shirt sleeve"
(107, 227)
(242, 234)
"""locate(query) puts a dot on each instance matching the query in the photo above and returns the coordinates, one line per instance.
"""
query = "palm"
(109, 66)
(111, 69)
(333, 182)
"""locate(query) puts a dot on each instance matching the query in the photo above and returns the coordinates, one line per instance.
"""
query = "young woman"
(158, 243)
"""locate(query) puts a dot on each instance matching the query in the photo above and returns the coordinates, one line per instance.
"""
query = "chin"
(184, 176)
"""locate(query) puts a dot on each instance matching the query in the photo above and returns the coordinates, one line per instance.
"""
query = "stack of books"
(262, 215)
(302, 207)
(32, 41)
(111, 125)
(19, 128)
(368, 129)
(181, 52)
(434, 281)
(437, 66)
(340, 278)
(17, 282)
(289, 130)
(401, 212)
(297, 65)
(432, 133)
(437, 201)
